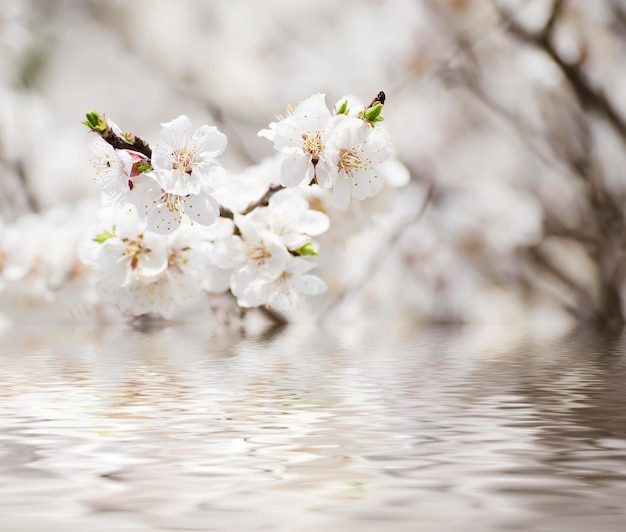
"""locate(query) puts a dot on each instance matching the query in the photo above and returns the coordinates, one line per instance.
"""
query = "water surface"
(184, 428)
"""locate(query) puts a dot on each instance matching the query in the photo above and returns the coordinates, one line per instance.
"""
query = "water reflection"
(191, 428)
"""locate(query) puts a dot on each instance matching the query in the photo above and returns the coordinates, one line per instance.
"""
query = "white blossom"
(213, 279)
(113, 170)
(289, 216)
(285, 292)
(184, 162)
(143, 272)
(357, 150)
(187, 263)
(123, 252)
(263, 272)
(301, 139)
(254, 257)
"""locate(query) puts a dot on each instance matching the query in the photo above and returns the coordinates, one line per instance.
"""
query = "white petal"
(154, 262)
(284, 299)
(249, 290)
(325, 172)
(312, 114)
(367, 183)
(312, 222)
(296, 170)
(184, 286)
(201, 209)
(309, 284)
(216, 280)
(341, 191)
(275, 264)
(177, 133)
(288, 136)
(110, 261)
(208, 142)
(155, 298)
(164, 212)
(110, 171)
(300, 265)
(177, 181)
(268, 133)
(229, 252)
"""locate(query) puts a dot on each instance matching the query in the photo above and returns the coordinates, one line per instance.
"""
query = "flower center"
(182, 160)
(134, 249)
(313, 145)
(258, 253)
(176, 261)
(171, 202)
(348, 161)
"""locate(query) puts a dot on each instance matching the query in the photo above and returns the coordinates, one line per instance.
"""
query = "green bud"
(95, 121)
(307, 249)
(143, 166)
(372, 114)
(343, 110)
(102, 237)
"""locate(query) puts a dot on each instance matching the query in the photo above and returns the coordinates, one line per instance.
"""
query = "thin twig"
(31, 199)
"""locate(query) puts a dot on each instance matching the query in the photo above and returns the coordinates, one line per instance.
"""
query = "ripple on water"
(183, 429)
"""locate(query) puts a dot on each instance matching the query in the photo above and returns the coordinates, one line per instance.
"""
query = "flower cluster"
(171, 185)
(343, 150)
(175, 224)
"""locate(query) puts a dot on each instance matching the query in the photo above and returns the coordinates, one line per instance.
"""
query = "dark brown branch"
(264, 201)
(137, 144)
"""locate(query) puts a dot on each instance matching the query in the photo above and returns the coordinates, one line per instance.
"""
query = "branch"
(557, 7)
(579, 311)
(31, 200)
(98, 124)
(588, 97)
(265, 199)
(137, 144)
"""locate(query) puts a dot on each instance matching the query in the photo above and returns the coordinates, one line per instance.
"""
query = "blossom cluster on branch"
(174, 223)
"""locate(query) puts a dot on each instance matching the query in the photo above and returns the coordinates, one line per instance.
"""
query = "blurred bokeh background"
(510, 116)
